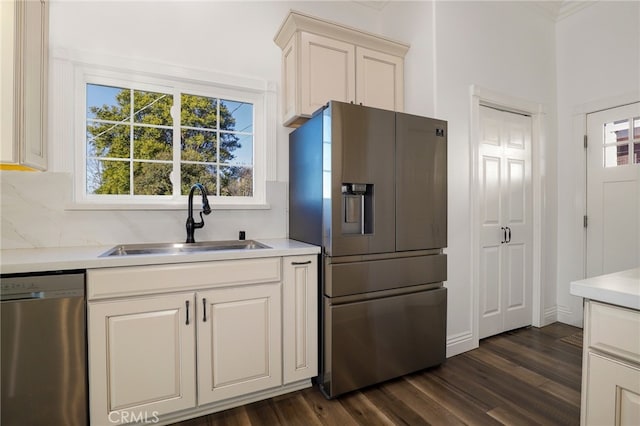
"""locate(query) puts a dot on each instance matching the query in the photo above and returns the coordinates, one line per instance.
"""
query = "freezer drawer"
(344, 279)
(376, 340)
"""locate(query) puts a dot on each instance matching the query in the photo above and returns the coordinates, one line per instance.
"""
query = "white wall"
(231, 38)
(598, 67)
(507, 48)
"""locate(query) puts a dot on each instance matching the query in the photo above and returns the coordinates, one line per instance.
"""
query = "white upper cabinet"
(23, 83)
(323, 61)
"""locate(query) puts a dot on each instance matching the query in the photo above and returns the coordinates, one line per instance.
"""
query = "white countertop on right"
(619, 288)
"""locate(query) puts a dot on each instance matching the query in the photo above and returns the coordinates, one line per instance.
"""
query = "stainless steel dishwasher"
(44, 354)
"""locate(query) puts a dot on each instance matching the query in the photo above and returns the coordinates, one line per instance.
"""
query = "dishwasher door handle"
(23, 296)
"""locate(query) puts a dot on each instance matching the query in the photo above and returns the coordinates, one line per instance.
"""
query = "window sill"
(160, 206)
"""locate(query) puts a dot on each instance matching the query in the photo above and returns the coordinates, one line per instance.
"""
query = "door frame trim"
(481, 96)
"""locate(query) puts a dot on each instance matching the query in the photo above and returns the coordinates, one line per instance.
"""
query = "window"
(148, 141)
(622, 142)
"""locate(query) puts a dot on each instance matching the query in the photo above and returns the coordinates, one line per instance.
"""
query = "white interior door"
(613, 190)
(506, 226)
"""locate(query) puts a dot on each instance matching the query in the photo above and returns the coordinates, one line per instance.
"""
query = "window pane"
(636, 128)
(636, 153)
(108, 103)
(152, 143)
(199, 173)
(152, 108)
(236, 149)
(199, 111)
(107, 177)
(152, 178)
(236, 116)
(236, 181)
(617, 131)
(108, 140)
(610, 157)
(198, 145)
(622, 155)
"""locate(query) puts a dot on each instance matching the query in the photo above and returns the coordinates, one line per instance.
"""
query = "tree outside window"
(131, 143)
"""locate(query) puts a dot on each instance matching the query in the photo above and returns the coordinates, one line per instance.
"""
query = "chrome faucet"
(192, 225)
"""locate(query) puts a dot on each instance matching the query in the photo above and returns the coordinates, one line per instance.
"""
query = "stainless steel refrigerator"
(370, 187)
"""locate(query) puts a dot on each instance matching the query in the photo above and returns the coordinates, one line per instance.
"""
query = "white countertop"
(68, 258)
(620, 288)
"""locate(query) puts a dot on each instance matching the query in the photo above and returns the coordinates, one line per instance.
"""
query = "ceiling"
(553, 9)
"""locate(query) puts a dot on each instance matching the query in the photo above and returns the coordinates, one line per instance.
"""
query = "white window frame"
(251, 91)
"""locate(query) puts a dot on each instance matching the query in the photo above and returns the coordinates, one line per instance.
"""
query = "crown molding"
(558, 10)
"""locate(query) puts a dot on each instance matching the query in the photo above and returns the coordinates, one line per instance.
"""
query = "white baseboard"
(460, 343)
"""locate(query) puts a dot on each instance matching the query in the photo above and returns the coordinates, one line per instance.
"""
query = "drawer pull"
(186, 304)
(301, 263)
(204, 309)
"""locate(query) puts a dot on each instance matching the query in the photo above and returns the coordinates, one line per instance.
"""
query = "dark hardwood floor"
(524, 377)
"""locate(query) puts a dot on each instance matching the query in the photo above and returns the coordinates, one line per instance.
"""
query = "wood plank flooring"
(524, 377)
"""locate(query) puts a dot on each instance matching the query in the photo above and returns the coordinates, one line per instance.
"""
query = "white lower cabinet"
(239, 341)
(611, 365)
(142, 357)
(170, 342)
(299, 321)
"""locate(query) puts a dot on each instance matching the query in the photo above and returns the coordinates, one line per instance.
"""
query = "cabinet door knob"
(204, 309)
(186, 304)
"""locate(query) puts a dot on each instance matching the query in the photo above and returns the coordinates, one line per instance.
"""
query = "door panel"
(421, 183)
(379, 79)
(362, 152)
(490, 290)
(516, 255)
(613, 190)
(327, 71)
(490, 191)
(516, 191)
(506, 228)
(239, 335)
(122, 337)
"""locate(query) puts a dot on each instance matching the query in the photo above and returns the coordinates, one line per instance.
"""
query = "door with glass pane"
(613, 190)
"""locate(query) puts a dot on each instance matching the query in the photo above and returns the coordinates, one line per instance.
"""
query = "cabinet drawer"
(614, 330)
(140, 280)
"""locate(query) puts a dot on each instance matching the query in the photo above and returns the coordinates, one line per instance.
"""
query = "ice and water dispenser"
(357, 206)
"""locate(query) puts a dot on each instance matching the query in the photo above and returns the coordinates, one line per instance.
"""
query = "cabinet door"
(239, 341)
(141, 357)
(35, 52)
(612, 392)
(300, 318)
(327, 72)
(23, 82)
(379, 79)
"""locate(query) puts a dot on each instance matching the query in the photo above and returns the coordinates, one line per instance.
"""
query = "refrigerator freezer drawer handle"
(362, 214)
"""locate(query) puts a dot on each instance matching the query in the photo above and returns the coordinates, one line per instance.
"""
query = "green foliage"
(152, 136)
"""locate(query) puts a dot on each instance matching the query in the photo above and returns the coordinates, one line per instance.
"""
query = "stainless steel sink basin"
(182, 248)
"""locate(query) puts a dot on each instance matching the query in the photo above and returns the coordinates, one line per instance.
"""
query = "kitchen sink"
(182, 248)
